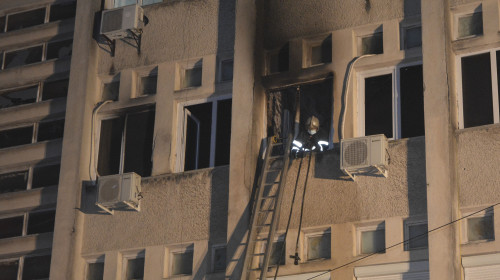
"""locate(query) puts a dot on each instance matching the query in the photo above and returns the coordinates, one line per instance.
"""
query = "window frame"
(315, 233)
(92, 260)
(395, 72)
(143, 73)
(375, 226)
(181, 132)
(25, 216)
(131, 255)
(20, 268)
(30, 169)
(407, 225)
(212, 260)
(465, 225)
(467, 10)
(494, 84)
(177, 249)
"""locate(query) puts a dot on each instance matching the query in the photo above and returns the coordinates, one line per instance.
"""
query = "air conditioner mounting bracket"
(106, 209)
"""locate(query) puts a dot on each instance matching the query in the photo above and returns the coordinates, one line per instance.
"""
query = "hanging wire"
(302, 206)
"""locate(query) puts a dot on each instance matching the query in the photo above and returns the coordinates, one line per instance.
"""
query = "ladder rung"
(268, 197)
(264, 225)
(260, 239)
(273, 170)
(266, 211)
(258, 254)
(255, 269)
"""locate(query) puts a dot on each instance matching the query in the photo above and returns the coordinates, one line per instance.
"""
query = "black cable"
(302, 206)
(404, 241)
(289, 219)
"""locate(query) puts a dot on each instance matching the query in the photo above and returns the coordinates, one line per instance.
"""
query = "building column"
(440, 124)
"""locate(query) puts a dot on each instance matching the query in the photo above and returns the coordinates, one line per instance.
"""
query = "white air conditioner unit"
(119, 191)
(119, 22)
(364, 155)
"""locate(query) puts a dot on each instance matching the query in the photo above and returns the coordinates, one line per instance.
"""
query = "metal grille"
(112, 21)
(109, 190)
(356, 153)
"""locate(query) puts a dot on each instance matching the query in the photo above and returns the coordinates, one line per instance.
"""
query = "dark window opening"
(148, 85)
(62, 11)
(322, 53)
(55, 89)
(226, 69)
(498, 77)
(135, 269)
(50, 130)
(418, 236)
(477, 98)
(16, 137)
(111, 91)
(26, 19)
(470, 25)
(135, 132)
(223, 132)
(23, 57)
(18, 97)
(192, 77)
(36, 267)
(198, 135)
(378, 105)
(95, 271)
(219, 261)
(2, 24)
(278, 62)
(278, 254)
(41, 222)
(480, 228)
(13, 181)
(45, 176)
(413, 37)
(412, 101)
(60, 49)
(11, 227)
(373, 44)
(182, 263)
(8, 269)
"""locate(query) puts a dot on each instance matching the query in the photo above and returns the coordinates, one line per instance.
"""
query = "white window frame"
(130, 255)
(212, 262)
(375, 226)
(407, 225)
(464, 225)
(178, 249)
(396, 96)
(92, 260)
(181, 132)
(314, 233)
(494, 84)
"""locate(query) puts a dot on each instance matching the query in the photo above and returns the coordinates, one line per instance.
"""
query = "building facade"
(188, 104)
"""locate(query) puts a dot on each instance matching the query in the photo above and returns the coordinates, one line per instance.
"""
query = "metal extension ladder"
(266, 208)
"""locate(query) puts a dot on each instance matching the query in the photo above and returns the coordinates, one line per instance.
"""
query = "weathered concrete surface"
(478, 154)
(175, 209)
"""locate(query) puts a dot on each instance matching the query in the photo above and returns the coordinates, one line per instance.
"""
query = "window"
(95, 269)
(416, 233)
(2, 24)
(134, 268)
(49, 130)
(42, 176)
(36, 267)
(226, 70)
(206, 135)
(126, 144)
(478, 93)
(192, 77)
(182, 262)
(25, 19)
(62, 11)
(278, 60)
(318, 51)
(111, 90)
(9, 268)
(55, 89)
(393, 109)
(480, 228)
(470, 25)
(371, 44)
(318, 245)
(23, 57)
(18, 97)
(218, 258)
(371, 239)
(121, 3)
(278, 252)
(59, 49)
(147, 82)
(28, 223)
(411, 37)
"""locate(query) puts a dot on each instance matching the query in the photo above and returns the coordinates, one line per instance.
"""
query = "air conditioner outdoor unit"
(119, 191)
(364, 155)
(119, 22)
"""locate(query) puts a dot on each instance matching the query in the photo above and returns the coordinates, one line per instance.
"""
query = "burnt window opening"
(62, 11)
(25, 19)
(55, 89)
(16, 137)
(311, 100)
(110, 91)
(45, 176)
(9, 268)
(126, 144)
(36, 267)
(373, 44)
(279, 61)
(50, 130)
(412, 101)
(23, 57)
(226, 70)
(18, 97)
(59, 49)
(11, 227)
(321, 53)
(13, 181)
(41, 222)
(204, 146)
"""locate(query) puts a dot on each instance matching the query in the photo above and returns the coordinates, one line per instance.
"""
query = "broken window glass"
(26, 19)
(50, 130)
(60, 49)
(192, 77)
(8, 269)
(23, 57)
(318, 246)
(36, 267)
(55, 89)
(11, 227)
(477, 97)
(40, 222)
(135, 269)
(182, 263)
(470, 25)
(13, 181)
(378, 105)
(45, 176)
(95, 271)
(16, 136)
(226, 70)
(62, 11)
(412, 101)
(148, 85)
(373, 44)
(18, 97)
(223, 132)
(139, 143)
